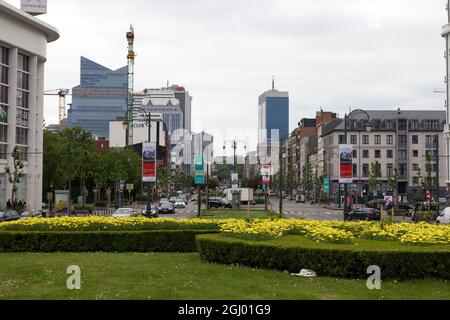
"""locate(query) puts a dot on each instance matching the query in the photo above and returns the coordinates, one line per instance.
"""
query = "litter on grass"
(305, 273)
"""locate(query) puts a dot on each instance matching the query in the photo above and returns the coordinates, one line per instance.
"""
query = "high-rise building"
(273, 120)
(23, 51)
(446, 35)
(185, 104)
(100, 98)
(162, 102)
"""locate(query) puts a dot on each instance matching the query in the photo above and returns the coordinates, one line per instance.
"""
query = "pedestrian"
(8, 204)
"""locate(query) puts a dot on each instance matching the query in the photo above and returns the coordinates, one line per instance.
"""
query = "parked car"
(166, 208)
(164, 200)
(31, 214)
(300, 198)
(173, 199)
(9, 215)
(444, 217)
(219, 203)
(179, 203)
(401, 206)
(124, 212)
(152, 213)
(194, 197)
(365, 214)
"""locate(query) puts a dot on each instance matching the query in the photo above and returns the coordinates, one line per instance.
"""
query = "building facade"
(273, 121)
(163, 102)
(398, 140)
(100, 98)
(23, 49)
(185, 101)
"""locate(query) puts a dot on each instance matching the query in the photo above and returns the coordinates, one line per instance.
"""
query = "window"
(415, 153)
(431, 124)
(376, 124)
(434, 168)
(377, 154)
(365, 139)
(389, 154)
(402, 154)
(355, 154)
(389, 169)
(415, 139)
(365, 154)
(430, 141)
(3, 133)
(353, 139)
(415, 167)
(402, 170)
(4, 74)
(3, 151)
(390, 125)
(341, 139)
(23, 62)
(355, 170)
(389, 139)
(402, 124)
(402, 141)
(21, 136)
(414, 125)
(377, 139)
(4, 56)
(365, 170)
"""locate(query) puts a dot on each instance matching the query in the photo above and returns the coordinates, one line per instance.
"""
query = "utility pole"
(69, 170)
(130, 59)
(345, 185)
(437, 176)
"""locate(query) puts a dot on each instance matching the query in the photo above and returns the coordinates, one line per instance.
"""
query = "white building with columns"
(23, 49)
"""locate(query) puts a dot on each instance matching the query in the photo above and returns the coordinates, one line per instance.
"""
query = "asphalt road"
(291, 209)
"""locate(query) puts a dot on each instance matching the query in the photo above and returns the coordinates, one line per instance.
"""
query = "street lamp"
(355, 114)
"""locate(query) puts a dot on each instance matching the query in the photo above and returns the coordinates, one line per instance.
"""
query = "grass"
(243, 214)
(169, 276)
(360, 244)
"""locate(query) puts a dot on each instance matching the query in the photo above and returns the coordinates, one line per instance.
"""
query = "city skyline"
(337, 68)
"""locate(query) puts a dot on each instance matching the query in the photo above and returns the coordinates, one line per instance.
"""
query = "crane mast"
(129, 114)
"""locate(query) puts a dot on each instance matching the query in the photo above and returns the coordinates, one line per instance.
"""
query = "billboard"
(234, 181)
(149, 162)
(62, 201)
(199, 170)
(34, 7)
(265, 174)
(345, 163)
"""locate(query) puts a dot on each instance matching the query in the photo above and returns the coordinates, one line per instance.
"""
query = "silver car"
(124, 213)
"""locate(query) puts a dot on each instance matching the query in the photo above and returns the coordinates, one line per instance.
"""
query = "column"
(31, 167)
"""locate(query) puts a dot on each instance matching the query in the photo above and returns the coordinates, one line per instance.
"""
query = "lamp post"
(148, 119)
(355, 114)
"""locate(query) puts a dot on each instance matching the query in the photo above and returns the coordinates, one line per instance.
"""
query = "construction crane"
(62, 93)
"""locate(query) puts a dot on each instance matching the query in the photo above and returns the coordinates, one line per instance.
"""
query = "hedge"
(104, 241)
(335, 260)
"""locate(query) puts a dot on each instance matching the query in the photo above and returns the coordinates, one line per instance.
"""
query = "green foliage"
(15, 175)
(335, 260)
(101, 241)
(306, 181)
(374, 176)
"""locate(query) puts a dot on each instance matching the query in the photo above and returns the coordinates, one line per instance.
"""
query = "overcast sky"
(331, 53)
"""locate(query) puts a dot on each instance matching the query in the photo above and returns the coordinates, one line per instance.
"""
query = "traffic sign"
(326, 185)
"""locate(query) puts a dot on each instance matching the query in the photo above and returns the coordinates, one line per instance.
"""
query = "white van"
(444, 218)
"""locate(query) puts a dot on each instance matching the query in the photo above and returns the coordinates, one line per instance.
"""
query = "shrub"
(335, 260)
(115, 241)
(100, 203)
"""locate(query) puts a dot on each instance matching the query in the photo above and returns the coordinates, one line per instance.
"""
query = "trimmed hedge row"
(103, 241)
(333, 261)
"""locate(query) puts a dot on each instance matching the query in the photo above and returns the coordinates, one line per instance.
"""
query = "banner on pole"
(199, 170)
(265, 174)
(345, 163)
(234, 181)
(149, 162)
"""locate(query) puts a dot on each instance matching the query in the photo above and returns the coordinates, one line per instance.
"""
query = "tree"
(374, 176)
(393, 184)
(15, 175)
(306, 181)
(213, 183)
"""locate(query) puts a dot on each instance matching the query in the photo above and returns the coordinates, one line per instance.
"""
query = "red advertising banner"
(149, 162)
(265, 174)
(346, 163)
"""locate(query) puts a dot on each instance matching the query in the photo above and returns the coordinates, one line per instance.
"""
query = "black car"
(9, 215)
(365, 214)
(219, 203)
(151, 212)
(166, 208)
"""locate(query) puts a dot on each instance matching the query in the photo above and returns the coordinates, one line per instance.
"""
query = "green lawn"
(243, 214)
(181, 276)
